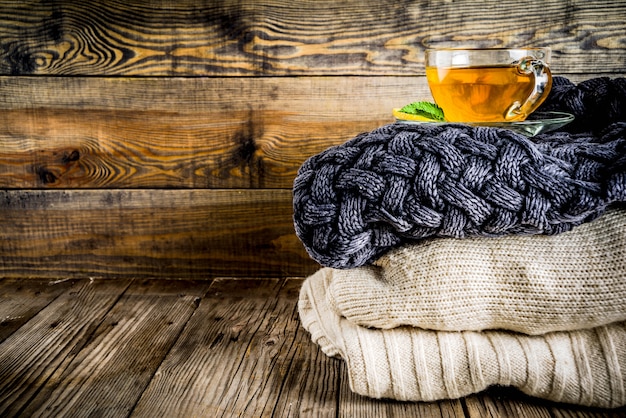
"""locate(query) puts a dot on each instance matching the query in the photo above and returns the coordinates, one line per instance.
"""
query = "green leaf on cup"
(424, 109)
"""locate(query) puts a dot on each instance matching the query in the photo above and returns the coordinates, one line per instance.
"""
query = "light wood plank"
(277, 37)
(31, 355)
(20, 301)
(149, 233)
(183, 133)
(107, 376)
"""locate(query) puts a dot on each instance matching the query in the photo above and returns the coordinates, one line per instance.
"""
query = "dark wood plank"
(352, 405)
(310, 383)
(20, 301)
(494, 405)
(506, 402)
(253, 37)
(149, 233)
(243, 354)
(584, 413)
(109, 373)
(32, 354)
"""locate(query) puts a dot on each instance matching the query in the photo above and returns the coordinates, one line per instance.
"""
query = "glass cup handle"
(543, 81)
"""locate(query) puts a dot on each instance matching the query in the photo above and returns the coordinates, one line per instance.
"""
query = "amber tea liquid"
(479, 94)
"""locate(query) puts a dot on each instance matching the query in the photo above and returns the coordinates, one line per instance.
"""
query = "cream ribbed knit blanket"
(570, 284)
(586, 367)
(529, 284)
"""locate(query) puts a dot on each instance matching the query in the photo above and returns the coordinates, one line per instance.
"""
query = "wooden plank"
(183, 133)
(586, 413)
(253, 37)
(505, 402)
(107, 376)
(20, 301)
(259, 362)
(495, 405)
(572, 411)
(353, 97)
(31, 355)
(149, 233)
(199, 359)
(306, 380)
(352, 405)
(242, 354)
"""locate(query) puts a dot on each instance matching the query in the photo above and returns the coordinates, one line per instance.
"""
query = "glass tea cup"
(488, 85)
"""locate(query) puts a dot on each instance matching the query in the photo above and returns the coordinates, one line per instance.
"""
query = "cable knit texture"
(585, 367)
(595, 103)
(402, 183)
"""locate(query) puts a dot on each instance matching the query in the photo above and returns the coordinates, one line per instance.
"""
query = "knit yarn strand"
(402, 183)
(595, 103)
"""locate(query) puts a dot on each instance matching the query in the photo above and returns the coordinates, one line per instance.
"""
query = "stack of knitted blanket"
(457, 257)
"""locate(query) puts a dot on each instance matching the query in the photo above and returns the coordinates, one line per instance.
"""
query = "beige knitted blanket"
(409, 328)
(529, 284)
(585, 367)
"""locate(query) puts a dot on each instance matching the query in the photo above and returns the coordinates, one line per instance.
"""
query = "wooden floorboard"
(20, 301)
(184, 348)
(110, 372)
(31, 355)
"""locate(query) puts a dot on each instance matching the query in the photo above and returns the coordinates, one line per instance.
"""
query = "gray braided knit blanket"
(401, 183)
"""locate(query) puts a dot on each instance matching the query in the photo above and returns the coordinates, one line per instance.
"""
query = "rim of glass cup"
(460, 48)
(545, 52)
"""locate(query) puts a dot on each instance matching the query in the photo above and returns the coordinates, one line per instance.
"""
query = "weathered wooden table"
(181, 348)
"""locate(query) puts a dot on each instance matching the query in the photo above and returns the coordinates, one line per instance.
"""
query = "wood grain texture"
(238, 356)
(172, 348)
(509, 402)
(80, 132)
(185, 133)
(149, 233)
(171, 131)
(21, 302)
(109, 373)
(56, 334)
(256, 37)
(490, 405)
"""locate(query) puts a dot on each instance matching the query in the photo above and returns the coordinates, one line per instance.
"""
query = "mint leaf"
(425, 109)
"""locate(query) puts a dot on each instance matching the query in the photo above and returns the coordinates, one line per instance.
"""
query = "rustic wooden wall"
(161, 138)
